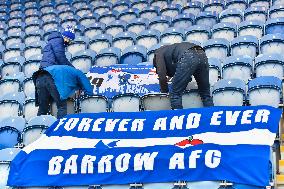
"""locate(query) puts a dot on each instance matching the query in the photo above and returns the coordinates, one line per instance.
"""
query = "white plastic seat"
(70, 107)
(156, 102)
(126, 103)
(244, 45)
(76, 47)
(217, 48)
(269, 65)
(30, 67)
(100, 42)
(124, 40)
(191, 99)
(272, 44)
(9, 86)
(107, 57)
(29, 87)
(93, 104)
(214, 70)
(172, 35)
(224, 30)
(29, 109)
(32, 133)
(148, 38)
(197, 33)
(253, 28)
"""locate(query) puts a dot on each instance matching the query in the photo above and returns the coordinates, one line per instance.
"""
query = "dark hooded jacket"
(54, 51)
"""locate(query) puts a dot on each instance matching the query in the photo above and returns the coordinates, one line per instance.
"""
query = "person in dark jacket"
(180, 61)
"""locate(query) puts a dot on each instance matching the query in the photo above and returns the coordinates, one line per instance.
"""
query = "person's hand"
(77, 94)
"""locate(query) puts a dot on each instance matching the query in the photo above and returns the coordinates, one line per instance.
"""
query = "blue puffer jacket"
(54, 51)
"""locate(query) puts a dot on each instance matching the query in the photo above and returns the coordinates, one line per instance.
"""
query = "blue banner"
(218, 143)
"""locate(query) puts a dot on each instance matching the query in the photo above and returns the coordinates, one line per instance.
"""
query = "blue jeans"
(193, 62)
(47, 92)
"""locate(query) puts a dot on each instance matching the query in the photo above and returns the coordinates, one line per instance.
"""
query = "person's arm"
(84, 83)
(160, 65)
(59, 52)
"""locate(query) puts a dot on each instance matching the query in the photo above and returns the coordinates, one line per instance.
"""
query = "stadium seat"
(83, 60)
(151, 51)
(224, 30)
(51, 14)
(83, 10)
(148, 38)
(275, 25)
(10, 104)
(71, 108)
(269, 65)
(259, 3)
(183, 21)
(119, 6)
(217, 48)
(14, 122)
(79, 44)
(128, 14)
(197, 33)
(108, 17)
(159, 186)
(254, 28)
(30, 66)
(102, 7)
(244, 45)
(156, 102)
(214, 70)
(33, 49)
(139, 4)
(115, 27)
(206, 19)
(47, 33)
(33, 132)
(191, 99)
(50, 24)
(88, 19)
(149, 12)
(126, 103)
(171, 10)
(45, 120)
(46, 7)
(13, 39)
(107, 57)
(203, 184)
(33, 27)
(93, 104)
(62, 5)
(236, 4)
(276, 11)
(9, 86)
(94, 29)
(29, 88)
(255, 13)
(238, 67)
(69, 11)
(137, 25)
(214, 6)
(124, 40)
(231, 15)
(272, 43)
(70, 21)
(229, 92)
(160, 23)
(194, 8)
(172, 35)
(12, 65)
(266, 90)
(116, 187)
(29, 109)
(133, 55)
(100, 42)
(15, 28)
(17, 76)
(13, 51)
(159, 3)
(9, 137)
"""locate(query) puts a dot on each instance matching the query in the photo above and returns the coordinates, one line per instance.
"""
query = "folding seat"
(79, 44)
(79, 4)
(33, 49)
(156, 102)
(68, 12)
(236, 4)
(88, 20)
(159, 3)
(214, 70)
(149, 12)
(50, 15)
(204, 184)
(108, 56)
(276, 11)
(16, 18)
(206, 19)
(20, 76)
(137, 25)
(214, 6)
(83, 60)
(238, 67)
(265, 90)
(100, 42)
(70, 21)
(272, 43)
(84, 10)
(33, 27)
(226, 30)
(62, 5)
(274, 25)
(124, 40)
(31, 8)
(151, 51)
(133, 55)
(140, 5)
(9, 86)
(255, 13)
(160, 23)
(29, 88)
(29, 109)
(50, 25)
(102, 7)
(108, 17)
(32, 65)
(148, 38)
(9, 137)
(71, 107)
(229, 92)
(217, 48)
(18, 123)
(47, 7)
(245, 45)
(93, 104)
(126, 103)
(119, 6)
(128, 14)
(94, 30)
(45, 120)
(231, 15)
(259, 3)
(183, 21)
(254, 28)
(12, 65)
(16, 28)
(269, 65)
(191, 99)
(13, 39)
(115, 27)
(197, 33)
(10, 104)
(171, 10)
(32, 14)
(277, 2)
(34, 37)
(172, 35)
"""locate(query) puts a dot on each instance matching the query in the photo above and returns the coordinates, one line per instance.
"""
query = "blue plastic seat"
(79, 44)
(276, 11)
(49, 15)
(62, 5)
(33, 27)
(89, 20)
(9, 86)
(119, 6)
(148, 38)
(157, 101)
(12, 66)
(183, 21)
(78, 3)
(107, 57)
(266, 90)
(245, 45)
(124, 40)
(29, 108)
(115, 27)
(70, 11)
(224, 30)
(133, 55)
(149, 12)
(82, 60)
(269, 65)
(137, 25)
(259, 3)
(108, 17)
(70, 21)
(236, 4)
(217, 48)
(18, 123)
(102, 7)
(238, 67)
(214, 6)
(31, 66)
(214, 70)
(18, 17)
(50, 24)
(229, 92)
(83, 10)
(255, 13)
(46, 7)
(151, 51)
(139, 4)
(159, 3)
(171, 10)
(45, 120)
(13, 51)
(100, 42)
(10, 104)
(126, 103)
(274, 25)
(231, 15)
(160, 23)
(207, 19)
(93, 104)
(197, 33)
(272, 43)
(128, 14)
(13, 39)
(194, 7)
(94, 30)
(15, 28)
(33, 49)
(172, 35)
(29, 88)
(254, 28)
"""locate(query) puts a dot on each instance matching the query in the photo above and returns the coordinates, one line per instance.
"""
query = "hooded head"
(68, 35)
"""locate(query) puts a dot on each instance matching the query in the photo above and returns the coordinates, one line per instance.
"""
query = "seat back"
(272, 44)
(126, 103)
(71, 108)
(269, 65)
(76, 47)
(9, 137)
(156, 102)
(93, 104)
(158, 186)
(82, 63)
(30, 67)
(191, 99)
(32, 133)
(245, 45)
(253, 28)
(29, 109)
(9, 86)
(197, 33)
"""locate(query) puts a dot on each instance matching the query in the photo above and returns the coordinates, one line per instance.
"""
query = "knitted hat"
(69, 33)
